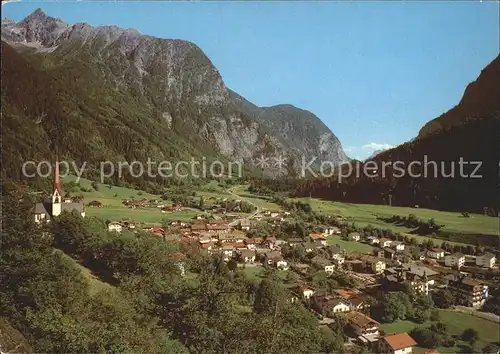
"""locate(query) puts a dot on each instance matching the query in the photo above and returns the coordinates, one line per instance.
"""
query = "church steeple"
(57, 181)
(57, 193)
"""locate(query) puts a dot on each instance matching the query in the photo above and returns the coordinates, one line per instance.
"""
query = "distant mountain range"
(107, 93)
(375, 153)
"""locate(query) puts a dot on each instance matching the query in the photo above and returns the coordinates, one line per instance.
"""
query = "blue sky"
(373, 71)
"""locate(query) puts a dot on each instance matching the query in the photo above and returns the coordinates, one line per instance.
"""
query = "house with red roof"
(158, 231)
(319, 238)
(399, 343)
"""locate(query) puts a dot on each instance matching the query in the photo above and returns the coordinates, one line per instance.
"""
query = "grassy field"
(260, 201)
(146, 215)
(349, 246)
(113, 209)
(364, 214)
(256, 274)
(367, 214)
(107, 196)
(457, 322)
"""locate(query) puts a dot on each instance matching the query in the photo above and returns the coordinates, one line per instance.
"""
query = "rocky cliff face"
(304, 133)
(174, 80)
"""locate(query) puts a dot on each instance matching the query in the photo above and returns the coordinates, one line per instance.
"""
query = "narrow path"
(257, 210)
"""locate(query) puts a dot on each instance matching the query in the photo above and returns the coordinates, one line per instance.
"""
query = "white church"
(45, 211)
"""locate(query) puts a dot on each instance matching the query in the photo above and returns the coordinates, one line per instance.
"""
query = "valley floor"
(361, 214)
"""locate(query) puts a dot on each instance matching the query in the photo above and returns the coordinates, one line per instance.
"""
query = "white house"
(354, 236)
(338, 258)
(487, 260)
(115, 226)
(398, 245)
(341, 305)
(228, 252)
(329, 269)
(436, 253)
(331, 231)
(373, 240)
(455, 260)
(248, 256)
(282, 264)
(399, 343)
(307, 293)
(385, 242)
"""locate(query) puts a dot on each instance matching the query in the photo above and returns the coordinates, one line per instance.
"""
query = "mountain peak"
(38, 27)
(38, 14)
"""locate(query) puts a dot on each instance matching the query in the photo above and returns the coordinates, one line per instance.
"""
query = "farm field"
(457, 322)
(349, 246)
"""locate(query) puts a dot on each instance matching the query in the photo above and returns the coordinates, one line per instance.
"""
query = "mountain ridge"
(171, 78)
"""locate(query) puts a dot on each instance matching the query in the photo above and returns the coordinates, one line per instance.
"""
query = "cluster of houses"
(354, 306)
(119, 226)
(457, 260)
(392, 265)
(141, 203)
(397, 250)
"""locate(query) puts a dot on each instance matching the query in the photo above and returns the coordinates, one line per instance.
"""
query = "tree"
(332, 341)
(395, 306)
(268, 295)
(439, 327)
(470, 335)
(425, 337)
(443, 298)
(232, 264)
(95, 185)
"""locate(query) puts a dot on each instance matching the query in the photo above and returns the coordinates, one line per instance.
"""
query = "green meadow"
(113, 208)
(349, 246)
(260, 201)
(456, 322)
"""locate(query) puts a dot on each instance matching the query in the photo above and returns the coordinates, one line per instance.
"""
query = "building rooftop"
(361, 320)
(400, 341)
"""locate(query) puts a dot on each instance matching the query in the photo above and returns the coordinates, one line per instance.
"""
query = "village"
(340, 273)
(391, 266)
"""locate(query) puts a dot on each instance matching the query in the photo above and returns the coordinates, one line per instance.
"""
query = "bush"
(470, 335)
(490, 348)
